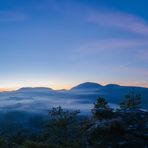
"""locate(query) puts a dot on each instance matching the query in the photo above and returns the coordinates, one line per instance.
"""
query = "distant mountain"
(112, 85)
(113, 93)
(34, 89)
(81, 97)
(61, 90)
(87, 86)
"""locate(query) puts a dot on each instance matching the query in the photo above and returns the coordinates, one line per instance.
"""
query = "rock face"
(126, 128)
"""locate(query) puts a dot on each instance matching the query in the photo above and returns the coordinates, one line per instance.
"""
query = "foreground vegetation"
(105, 127)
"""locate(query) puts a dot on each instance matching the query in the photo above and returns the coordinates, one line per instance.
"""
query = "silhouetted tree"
(32, 144)
(63, 127)
(3, 143)
(101, 109)
(132, 101)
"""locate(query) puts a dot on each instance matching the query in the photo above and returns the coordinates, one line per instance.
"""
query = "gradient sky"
(60, 43)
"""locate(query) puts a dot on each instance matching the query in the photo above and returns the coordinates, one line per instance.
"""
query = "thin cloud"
(102, 16)
(120, 20)
(7, 16)
(111, 45)
(142, 55)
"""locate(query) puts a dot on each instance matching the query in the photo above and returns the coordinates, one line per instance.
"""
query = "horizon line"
(9, 89)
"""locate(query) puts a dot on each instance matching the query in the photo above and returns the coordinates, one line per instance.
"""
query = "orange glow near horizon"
(55, 87)
(69, 86)
(6, 89)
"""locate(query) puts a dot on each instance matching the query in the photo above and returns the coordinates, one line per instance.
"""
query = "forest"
(104, 127)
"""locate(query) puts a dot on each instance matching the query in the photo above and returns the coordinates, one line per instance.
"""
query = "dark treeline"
(105, 127)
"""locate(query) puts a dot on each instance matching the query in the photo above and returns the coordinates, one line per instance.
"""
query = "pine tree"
(63, 127)
(101, 109)
(132, 101)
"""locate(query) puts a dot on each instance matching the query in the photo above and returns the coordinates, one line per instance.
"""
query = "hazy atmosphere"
(73, 73)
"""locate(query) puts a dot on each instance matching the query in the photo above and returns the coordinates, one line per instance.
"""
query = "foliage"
(101, 109)
(32, 144)
(3, 143)
(132, 101)
(67, 129)
(61, 124)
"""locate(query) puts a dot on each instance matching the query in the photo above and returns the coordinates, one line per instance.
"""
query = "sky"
(59, 44)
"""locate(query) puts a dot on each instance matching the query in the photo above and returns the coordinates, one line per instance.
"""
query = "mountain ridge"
(85, 85)
(85, 94)
(35, 89)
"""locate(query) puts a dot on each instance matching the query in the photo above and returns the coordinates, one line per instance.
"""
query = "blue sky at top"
(62, 43)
